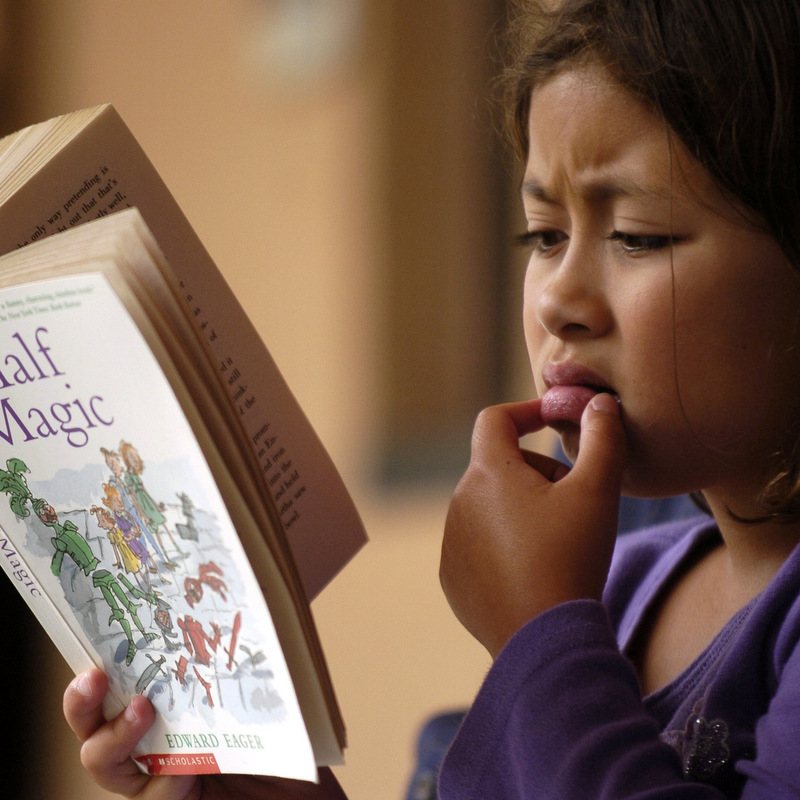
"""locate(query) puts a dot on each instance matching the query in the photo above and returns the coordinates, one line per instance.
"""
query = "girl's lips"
(570, 387)
(565, 403)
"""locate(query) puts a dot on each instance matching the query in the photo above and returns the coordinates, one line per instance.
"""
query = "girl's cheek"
(536, 344)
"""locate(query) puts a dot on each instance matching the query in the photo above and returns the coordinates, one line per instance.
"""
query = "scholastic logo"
(190, 764)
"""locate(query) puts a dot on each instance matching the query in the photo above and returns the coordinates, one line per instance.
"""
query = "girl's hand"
(107, 748)
(525, 533)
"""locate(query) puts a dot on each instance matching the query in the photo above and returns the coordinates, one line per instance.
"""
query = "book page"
(104, 170)
(114, 530)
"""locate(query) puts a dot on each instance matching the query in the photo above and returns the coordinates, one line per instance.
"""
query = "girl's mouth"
(570, 388)
(565, 403)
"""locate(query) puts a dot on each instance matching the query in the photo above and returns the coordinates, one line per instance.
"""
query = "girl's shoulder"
(671, 538)
(644, 560)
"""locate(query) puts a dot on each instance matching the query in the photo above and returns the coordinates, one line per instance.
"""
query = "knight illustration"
(67, 541)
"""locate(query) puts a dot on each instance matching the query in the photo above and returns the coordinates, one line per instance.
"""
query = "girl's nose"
(570, 300)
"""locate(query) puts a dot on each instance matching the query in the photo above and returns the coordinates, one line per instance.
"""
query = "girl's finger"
(83, 701)
(498, 429)
(601, 453)
(106, 754)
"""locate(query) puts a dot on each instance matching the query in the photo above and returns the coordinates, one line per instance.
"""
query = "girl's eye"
(542, 242)
(633, 244)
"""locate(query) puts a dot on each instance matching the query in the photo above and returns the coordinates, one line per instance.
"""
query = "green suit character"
(67, 541)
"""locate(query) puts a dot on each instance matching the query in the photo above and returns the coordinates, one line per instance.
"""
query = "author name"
(203, 741)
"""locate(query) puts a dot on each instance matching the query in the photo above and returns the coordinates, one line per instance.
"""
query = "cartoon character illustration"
(131, 533)
(151, 512)
(124, 545)
(131, 507)
(67, 540)
(206, 576)
(115, 596)
(195, 639)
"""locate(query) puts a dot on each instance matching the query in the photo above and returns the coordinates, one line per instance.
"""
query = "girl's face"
(134, 462)
(645, 281)
(114, 463)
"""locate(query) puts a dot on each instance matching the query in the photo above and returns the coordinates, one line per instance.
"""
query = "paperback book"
(166, 509)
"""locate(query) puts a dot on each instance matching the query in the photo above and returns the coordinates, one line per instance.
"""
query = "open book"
(165, 507)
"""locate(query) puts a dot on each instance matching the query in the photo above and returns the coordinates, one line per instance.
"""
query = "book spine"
(24, 580)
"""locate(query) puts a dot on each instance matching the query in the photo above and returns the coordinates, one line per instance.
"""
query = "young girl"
(662, 314)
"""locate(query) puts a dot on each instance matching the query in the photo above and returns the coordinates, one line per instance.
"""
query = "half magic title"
(27, 359)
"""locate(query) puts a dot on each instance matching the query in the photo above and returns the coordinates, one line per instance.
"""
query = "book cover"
(113, 527)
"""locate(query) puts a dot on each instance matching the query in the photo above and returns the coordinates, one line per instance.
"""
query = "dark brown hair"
(723, 76)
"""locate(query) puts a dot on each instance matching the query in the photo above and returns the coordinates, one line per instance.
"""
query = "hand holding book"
(107, 748)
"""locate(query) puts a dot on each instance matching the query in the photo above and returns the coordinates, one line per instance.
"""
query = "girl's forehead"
(583, 122)
(590, 137)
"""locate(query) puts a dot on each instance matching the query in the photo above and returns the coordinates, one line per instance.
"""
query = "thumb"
(601, 454)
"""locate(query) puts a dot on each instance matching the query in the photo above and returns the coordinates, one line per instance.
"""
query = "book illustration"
(161, 609)
(187, 529)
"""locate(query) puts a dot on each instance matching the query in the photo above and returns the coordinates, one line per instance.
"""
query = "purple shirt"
(561, 716)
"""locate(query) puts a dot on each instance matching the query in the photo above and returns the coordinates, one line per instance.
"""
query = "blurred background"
(338, 160)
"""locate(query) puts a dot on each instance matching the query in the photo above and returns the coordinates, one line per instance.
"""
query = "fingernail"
(130, 713)
(605, 402)
(83, 685)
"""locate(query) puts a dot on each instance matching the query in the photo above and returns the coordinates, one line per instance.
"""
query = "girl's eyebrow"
(532, 189)
(535, 191)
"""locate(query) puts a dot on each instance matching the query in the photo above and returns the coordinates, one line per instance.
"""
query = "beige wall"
(279, 180)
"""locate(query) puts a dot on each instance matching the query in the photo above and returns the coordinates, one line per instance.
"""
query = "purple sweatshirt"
(561, 716)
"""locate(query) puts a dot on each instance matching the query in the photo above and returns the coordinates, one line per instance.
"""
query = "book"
(166, 509)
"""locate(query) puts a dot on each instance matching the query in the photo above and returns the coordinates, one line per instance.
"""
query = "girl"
(662, 315)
